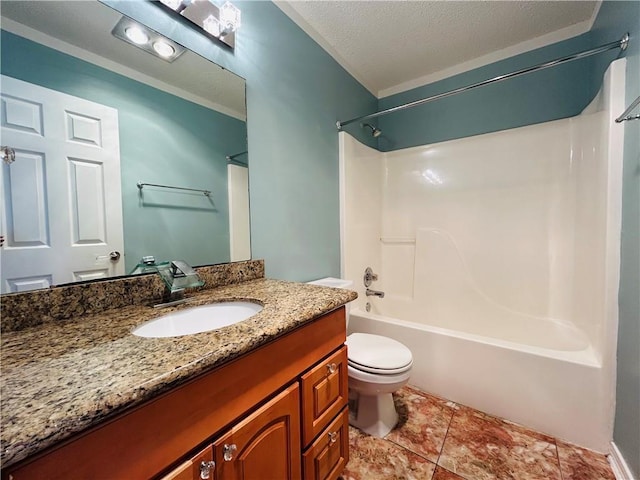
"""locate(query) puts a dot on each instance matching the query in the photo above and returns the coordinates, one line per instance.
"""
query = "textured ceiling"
(87, 25)
(390, 46)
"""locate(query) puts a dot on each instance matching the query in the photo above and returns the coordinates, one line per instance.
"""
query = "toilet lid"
(377, 354)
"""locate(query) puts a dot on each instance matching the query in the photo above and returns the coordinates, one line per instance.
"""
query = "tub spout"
(374, 293)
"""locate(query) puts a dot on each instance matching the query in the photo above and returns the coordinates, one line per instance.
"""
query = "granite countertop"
(61, 377)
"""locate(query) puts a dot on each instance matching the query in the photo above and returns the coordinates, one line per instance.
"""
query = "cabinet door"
(265, 445)
(197, 468)
(326, 458)
(324, 394)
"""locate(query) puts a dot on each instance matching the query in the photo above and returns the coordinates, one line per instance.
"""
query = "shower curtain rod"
(621, 44)
(625, 115)
(233, 157)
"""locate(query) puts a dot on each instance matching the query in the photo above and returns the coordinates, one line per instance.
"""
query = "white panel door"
(61, 198)
(239, 222)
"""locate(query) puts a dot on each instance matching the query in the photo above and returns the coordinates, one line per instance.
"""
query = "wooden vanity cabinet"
(253, 402)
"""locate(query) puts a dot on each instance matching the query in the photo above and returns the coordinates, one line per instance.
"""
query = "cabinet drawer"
(193, 469)
(328, 455)
(324, 394)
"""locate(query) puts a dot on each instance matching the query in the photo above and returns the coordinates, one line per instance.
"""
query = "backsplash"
(22, 310)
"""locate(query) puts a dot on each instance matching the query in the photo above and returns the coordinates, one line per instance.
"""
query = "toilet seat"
(375, 378)
(380, 371)
(377, 355)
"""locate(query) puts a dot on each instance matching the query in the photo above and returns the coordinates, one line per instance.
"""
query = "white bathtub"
(558, 392)
(483, 320)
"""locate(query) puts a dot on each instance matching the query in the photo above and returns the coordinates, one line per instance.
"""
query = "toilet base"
(373, 414)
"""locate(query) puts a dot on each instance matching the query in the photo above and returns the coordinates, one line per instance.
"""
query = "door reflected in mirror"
(90, 117)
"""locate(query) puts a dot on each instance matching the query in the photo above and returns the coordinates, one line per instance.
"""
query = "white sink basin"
(197, 319)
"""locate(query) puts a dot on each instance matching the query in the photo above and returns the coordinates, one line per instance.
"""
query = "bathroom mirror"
(103, 131)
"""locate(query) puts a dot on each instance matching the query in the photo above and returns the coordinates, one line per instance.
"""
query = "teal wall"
(295, 94)
(613, 18)
(163, 139)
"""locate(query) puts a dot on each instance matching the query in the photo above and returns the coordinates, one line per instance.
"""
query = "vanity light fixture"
(219, 22)
(146, 39)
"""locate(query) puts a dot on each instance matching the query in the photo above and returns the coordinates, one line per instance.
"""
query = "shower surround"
(499, 258)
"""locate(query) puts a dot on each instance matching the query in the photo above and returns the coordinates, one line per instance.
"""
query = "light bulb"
(230, 17)
(173, 4)
(136, 35)
(163, 48)
(211, 25)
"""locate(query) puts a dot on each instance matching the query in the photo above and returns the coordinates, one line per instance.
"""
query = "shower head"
(374, 131)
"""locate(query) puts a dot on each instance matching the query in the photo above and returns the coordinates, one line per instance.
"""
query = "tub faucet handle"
(369, 277)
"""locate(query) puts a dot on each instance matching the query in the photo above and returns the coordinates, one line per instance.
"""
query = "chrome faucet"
(180, 269)
(374, 293)
(177, 276)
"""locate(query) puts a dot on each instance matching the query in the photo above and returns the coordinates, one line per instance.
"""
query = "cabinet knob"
(205, 469)
(228, 451)
(333, 436)
(332, 367)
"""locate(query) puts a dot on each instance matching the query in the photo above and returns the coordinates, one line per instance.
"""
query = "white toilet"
(377, 367)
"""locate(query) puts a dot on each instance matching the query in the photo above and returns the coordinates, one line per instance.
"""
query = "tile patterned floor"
(440, 440)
